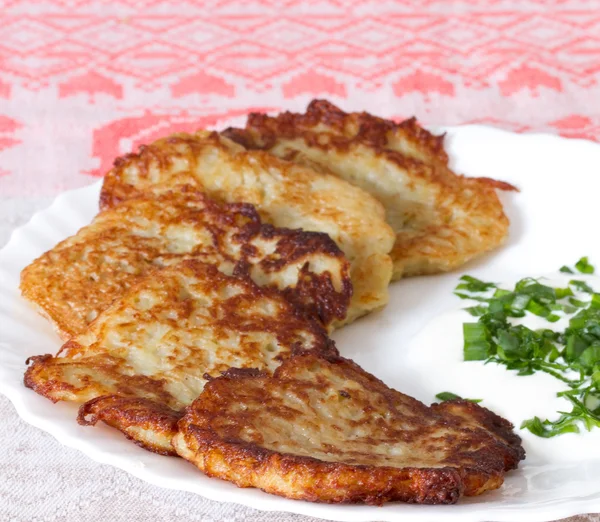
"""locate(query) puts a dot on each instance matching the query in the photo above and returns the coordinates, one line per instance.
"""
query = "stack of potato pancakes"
(196, 307)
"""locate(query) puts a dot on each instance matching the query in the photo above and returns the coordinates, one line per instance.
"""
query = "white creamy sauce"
(437, 352)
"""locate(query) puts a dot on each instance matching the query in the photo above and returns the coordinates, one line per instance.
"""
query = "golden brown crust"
(305, 478)
(501, 428)
(322, 429)
(320, 286)
(359, 127)
(441, 220)
(148, 424)
(76, 280)
(149, 354)
(285, 195)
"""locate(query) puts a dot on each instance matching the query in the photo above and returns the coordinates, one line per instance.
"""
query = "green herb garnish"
(477, 346)
(582, 266)
(581, 286)
(449, 396)
(571, 355)
(472, 284)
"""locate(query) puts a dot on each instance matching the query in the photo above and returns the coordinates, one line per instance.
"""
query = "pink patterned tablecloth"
(83, 81)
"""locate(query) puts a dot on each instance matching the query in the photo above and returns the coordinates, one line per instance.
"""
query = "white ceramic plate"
(553, 220)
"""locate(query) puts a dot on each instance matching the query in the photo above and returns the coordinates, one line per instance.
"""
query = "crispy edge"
(150, 425)
(115, 189)
(370, 130)
(306, 478)
(314, 294)
(35, 365)
(493, 423)
(61, 328)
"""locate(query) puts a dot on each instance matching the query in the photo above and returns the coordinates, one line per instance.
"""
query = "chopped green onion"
(476, 311)
(477, 346)
(449, 396)
(549, 429)
(495, 338)
(584, 267)
(590, 356)
(472, 284)
(563, 292)
(508, 345)
(473, 297)
(575, 347)
(539, 292)
(520, 302)
(581, 285)
(577, 302)
(538, 309)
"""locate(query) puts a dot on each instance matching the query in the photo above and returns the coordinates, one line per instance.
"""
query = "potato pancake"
(322, 429)
(81, 276)
(149, 354)
(285, 195)
(441, 220)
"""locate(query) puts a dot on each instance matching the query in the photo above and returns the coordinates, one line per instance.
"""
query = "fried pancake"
(72, 283)
(285, 195)
(322, 429)
(148, 355)
(441, 219)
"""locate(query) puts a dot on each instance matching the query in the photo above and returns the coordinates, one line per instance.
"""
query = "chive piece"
(476, 346)
(535, 426)
(508, 344)
(575, 347)
(549, 429)
(474, 297)
(449, 396)
(472, 284)
(476, 311)
(538, 309)
(577, 302)
(520, 302)
(590, 356)
(584, 267)
(563, 292)
(582, 286)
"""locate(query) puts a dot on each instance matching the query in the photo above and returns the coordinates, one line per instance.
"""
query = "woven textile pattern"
(83, 81)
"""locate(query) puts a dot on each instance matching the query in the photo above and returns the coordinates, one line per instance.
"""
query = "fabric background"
(83, 81)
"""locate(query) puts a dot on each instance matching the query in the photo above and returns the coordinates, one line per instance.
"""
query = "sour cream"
(436, 353)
